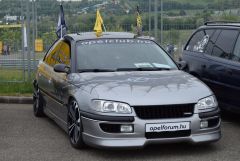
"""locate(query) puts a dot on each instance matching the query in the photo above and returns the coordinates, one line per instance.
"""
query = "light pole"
(28, 41)
(156, 19)
(161, 22)
(33, 34)
(23, 49)
(149, 16)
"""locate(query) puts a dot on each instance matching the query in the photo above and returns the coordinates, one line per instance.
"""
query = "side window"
(225, 43)
(51, 57)
(64, 54)
(236, 53)
(198, 42)
(209, 47)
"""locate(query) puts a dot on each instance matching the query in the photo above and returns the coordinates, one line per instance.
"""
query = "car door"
(232, 79)
(60, 83)
(218, 66)
(46, 75)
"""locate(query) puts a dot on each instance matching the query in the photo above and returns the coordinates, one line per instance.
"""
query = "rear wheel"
(75, 125)
(37, 103)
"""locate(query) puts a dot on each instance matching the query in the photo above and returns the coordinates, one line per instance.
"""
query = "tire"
(75, 125)
(37, 103)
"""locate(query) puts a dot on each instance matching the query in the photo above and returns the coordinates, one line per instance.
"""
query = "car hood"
(143, 87)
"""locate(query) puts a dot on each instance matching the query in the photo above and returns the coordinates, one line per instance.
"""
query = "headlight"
(111, 107)
(206, 103)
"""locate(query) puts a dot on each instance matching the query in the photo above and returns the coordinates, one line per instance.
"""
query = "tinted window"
(63, 56)
(121, 53)
(236, 53)
(225, 43)
(209, 32)
(199, 41)
(58, 54)
(51, 57)
(214, 34)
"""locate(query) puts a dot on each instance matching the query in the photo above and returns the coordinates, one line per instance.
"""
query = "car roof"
(221, 24)
(92, 35)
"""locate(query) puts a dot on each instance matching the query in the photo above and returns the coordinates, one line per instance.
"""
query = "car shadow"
(230, 117)
(157, 151)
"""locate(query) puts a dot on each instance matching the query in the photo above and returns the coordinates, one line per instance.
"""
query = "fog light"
(203, 124)
(126, 128)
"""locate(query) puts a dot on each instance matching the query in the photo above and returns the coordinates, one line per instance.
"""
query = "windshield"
(117, 54)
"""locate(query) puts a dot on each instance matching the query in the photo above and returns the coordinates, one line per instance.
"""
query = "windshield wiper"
(143, 69)
(95, 70)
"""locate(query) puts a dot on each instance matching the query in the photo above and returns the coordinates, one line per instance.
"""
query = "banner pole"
(104, 27)
(61, 31)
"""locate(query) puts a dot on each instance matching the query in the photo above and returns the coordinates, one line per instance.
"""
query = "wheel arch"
(70, 98)
(194, 74)
(35, 84)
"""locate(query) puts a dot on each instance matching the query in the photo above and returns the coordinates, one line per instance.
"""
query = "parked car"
(213, 55)
(122, 91)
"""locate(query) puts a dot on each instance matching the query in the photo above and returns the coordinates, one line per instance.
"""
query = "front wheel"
(37, 103)
(75, 125)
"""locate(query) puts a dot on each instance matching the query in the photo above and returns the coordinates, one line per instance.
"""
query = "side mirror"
(182, 65)
(61, 68)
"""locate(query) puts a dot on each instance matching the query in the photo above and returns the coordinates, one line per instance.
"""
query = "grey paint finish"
(136, 88)
(144, 88)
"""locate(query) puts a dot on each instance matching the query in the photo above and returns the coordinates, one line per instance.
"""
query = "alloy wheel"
(74, 122)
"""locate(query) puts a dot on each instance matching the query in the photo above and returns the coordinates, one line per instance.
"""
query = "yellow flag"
(139, 20)
(98, 24)
(139, 23)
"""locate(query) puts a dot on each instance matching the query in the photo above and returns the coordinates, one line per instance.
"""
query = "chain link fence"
(171, 22)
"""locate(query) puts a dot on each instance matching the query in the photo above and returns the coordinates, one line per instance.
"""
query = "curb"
(16, 100)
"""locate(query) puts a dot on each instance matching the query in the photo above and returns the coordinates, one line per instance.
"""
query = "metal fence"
(171, 22)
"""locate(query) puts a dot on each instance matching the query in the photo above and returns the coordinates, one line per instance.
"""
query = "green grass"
(12, 83)
(11, 75)
(16, 89)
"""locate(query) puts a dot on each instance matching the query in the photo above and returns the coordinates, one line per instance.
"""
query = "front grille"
(168, 134)
(164, 111)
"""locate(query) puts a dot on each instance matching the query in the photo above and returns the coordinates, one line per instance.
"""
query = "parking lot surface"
(24, 137)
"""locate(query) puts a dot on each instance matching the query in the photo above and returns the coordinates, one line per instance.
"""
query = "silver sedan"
(122, 91)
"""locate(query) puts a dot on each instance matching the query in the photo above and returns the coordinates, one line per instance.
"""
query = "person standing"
(4, 49)
(8, 50)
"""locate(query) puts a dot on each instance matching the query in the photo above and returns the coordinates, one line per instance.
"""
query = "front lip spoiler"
(210, 114)
(107, 118)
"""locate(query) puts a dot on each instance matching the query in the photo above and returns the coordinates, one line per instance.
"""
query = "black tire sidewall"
(80, 143)
(38, 112)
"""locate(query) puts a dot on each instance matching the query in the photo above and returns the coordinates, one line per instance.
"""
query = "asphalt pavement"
(24, 137)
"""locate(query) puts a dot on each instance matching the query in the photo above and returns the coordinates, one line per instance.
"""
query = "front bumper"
(93, 134)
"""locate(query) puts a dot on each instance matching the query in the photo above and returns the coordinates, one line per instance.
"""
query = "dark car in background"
(213, 55)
